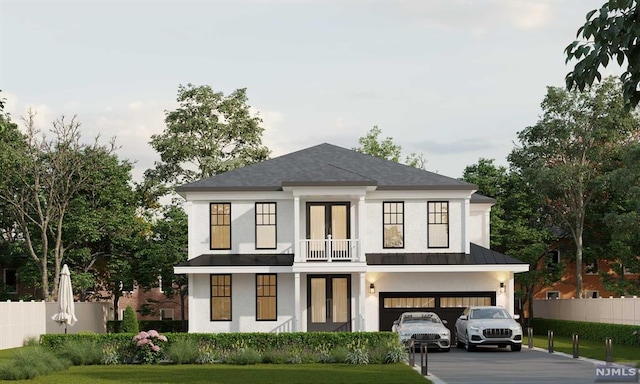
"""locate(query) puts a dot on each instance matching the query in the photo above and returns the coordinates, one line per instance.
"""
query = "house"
(329, 239)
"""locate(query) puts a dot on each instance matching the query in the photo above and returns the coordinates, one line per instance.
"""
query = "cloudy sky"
(452, 79)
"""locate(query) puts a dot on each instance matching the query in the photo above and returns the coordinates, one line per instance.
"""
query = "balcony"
(329, 250)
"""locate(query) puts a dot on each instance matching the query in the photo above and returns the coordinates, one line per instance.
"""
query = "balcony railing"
(329, 250)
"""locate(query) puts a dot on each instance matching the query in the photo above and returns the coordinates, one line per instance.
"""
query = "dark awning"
(232, 260)
(478, 256)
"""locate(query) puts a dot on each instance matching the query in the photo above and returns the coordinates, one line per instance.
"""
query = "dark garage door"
(448, 305)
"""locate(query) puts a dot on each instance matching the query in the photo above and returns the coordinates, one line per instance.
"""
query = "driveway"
(492, 365)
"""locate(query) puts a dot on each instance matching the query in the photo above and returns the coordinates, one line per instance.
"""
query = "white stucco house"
(329, 239)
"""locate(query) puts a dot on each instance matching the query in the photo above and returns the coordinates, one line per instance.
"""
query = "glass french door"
(324, 221)
(328, 303)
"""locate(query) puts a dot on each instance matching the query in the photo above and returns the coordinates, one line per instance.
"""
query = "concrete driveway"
(492, 365)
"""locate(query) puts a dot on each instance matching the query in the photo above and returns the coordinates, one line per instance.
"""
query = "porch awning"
(207, 263)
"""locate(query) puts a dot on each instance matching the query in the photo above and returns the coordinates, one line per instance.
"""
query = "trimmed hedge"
(162, 326)
(621, 334)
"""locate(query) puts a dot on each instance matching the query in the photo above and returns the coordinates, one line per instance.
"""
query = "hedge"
(621, 334)
(162, 326)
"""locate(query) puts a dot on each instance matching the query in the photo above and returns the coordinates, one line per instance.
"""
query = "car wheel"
(469, 347)
(459, 344)
(516, 347)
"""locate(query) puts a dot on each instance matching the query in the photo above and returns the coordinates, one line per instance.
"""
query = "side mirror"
(396, 322)
(444, 321)
(463, 317)
(516, 317)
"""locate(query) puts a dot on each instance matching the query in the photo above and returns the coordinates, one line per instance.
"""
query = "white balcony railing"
(329, 250)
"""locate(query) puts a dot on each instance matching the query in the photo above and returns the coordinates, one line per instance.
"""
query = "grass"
(590, 349)
(223, 374)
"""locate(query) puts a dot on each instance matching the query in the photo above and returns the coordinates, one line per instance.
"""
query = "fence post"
(576, 345)
(608, 350)
(412, 355)
(424, 359)
(530, 337)
(550, 340)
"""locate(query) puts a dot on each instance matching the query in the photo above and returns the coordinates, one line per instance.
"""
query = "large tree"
(611, 33)
(566, 154)
(39, 182)
(372, 144)
(207, 134)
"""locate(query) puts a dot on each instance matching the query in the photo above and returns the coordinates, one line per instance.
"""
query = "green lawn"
(590, 349)
(223, 374)
(5, 353)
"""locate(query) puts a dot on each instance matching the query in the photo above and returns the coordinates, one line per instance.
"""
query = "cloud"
(466, 145)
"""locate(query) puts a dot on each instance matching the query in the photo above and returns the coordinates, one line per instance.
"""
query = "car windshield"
(489, 313)
(420, 319)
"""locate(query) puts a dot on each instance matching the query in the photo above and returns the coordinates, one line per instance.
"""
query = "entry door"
(329, 303)
(324, 219)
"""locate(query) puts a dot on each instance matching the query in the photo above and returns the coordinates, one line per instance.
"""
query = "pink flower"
(155, 348)
(141, 335)
(162, 338)
(142, 342)
(153, 333)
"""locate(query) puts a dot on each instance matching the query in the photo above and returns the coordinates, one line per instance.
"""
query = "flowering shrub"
(148, 349)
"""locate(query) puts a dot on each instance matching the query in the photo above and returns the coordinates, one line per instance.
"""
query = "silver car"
(423, 327)
(487, 326)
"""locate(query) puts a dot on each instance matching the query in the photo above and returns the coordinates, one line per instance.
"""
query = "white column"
(296, 304)
(188, 208)
(361, 301)
(361, 229)
(466, 245)
(296, 230)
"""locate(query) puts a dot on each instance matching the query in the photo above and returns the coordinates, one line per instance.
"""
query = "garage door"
(448, 305)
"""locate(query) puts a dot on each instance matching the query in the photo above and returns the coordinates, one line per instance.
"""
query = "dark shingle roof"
(326, 164)
(206, 260)
(478, 256)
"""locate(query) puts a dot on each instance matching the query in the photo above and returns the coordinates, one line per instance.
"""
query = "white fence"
(623, 310)
(21, 320)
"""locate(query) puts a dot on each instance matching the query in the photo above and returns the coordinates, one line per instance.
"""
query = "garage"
(448, 305)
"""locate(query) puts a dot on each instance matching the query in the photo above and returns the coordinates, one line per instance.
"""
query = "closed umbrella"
(66, 312)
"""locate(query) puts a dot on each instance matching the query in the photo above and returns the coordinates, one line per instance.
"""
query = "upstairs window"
(438, 224)
(220, 225)
(11, 280)
(266, 226)
(393, 223)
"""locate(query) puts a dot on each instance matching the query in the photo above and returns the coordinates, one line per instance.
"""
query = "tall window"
(220, 225)
(266, 297)
(438, 229)
(11, 280)
(266, 225)
(393, 222)
(220, 297)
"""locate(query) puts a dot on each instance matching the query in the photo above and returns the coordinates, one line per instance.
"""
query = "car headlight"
(444, 333)
(474, 328)
(405, 334)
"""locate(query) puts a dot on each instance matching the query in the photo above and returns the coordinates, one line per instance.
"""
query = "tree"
(207, 134)
(611, 33)
(370, 144)
(39, 182)
(518, 224)
(565, 156)
(129, 321)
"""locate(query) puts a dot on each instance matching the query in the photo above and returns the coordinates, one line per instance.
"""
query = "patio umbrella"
(66, 312)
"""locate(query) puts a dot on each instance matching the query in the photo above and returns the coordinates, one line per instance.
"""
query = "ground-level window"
(220, 225)
(409, 302)
(11, 280)
(266, 297)
(462, 302)
(265, 225)
(166, 314)
(220, 297)
(553, 294)
(393, 223)
(438, 224)
(591, 294)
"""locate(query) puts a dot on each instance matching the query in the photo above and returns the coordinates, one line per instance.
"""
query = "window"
(553, 295)
(266, 226)
(266, 297)
(220, 225)
(409, 302)
(591, 294)
(220, 297)
(438, 224)
(553, 259)
(126, 285)
(11, 280)
(165, 284)
(393, 222)
(591, 268)
(166, 314)
(463, 302)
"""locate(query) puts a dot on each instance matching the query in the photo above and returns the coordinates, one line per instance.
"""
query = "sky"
(455, 80)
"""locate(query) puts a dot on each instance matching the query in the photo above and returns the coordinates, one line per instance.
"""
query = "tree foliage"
(372, 144)
(567, 154)
(129, 321)
(207, 134)
(611, 33)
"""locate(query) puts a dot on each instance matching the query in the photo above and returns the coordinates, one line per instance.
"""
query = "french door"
(329, 303)
(327, 221)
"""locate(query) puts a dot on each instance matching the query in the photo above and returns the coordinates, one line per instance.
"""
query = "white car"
(424, 327)
(487, 326)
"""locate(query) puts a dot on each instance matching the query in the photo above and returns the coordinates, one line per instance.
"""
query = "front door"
(324, 221)
(329, 303)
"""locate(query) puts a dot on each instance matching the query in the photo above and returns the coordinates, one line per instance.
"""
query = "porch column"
(296, 231)
(466, 245)
(296, 304)
(361, 229)
(361, 301)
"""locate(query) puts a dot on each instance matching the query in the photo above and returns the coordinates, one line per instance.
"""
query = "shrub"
(243, 356)
(207, 355)
(31, 341)
(619, 333)
(395, 353)
(129, 321)
(358, 353)
(82, 352)
(110, 355)
(29, 362)
(148, 346)
(339, 355)
(183, 351)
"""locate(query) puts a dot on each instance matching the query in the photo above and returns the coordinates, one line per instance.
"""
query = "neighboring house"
(329, 239)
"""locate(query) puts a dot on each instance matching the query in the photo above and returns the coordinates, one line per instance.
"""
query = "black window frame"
(211, 225)
(275, 276)
(230, 296)
(275, 222)
(438, 214)
(392, 215)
